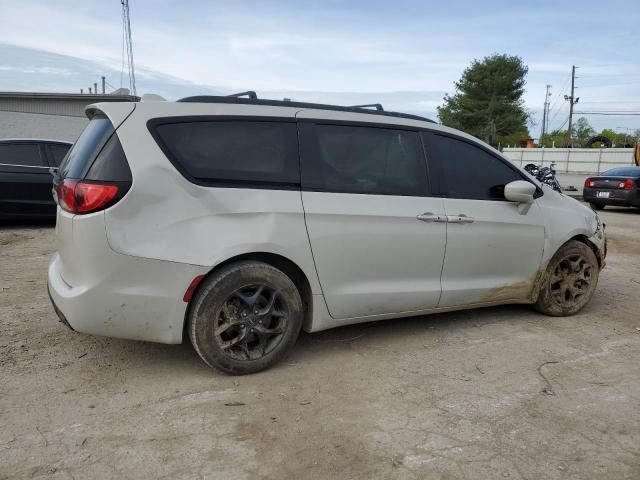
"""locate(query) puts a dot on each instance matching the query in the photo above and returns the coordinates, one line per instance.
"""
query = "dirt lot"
(455, 395)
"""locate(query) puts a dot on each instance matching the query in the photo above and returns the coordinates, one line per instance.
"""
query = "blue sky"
(405, 54)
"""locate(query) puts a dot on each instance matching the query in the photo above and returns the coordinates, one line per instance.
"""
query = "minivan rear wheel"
(245, 317)
(569, 281)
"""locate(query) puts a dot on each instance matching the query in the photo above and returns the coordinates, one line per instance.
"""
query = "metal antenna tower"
(545, 114)
(128, 47)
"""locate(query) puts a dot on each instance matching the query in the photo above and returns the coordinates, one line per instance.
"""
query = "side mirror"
(519, 191)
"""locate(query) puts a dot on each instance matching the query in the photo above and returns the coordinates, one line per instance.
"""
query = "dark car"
(618, 186)
(25, 180)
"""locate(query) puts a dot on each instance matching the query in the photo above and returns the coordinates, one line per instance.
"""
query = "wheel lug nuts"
(244, 314)
(260, 322)
(252, 330)
(242, 326)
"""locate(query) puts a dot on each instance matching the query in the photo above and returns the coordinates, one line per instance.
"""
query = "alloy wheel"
(251, 322)
(571, 280)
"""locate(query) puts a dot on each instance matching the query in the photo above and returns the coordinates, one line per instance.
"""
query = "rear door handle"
(432, 218)
(460, 218)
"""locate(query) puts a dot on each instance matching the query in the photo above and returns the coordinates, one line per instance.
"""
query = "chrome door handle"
(460, 218)
(432, 218)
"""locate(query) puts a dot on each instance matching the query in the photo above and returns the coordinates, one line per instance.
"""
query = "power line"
(557, 103)
(609, 85)
(632, 114)
(609, 101)
(609, 113)
(110, 86)
(611, 75)
(559, 94)
(563, 124)
(592, 65)
(563, 111)
(614, 96)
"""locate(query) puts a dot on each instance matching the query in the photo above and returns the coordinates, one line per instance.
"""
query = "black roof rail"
(236, 99)
(249, 93)
(377, 106)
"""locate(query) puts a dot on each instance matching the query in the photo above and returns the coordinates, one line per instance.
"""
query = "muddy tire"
(569, 281)
(245, 317)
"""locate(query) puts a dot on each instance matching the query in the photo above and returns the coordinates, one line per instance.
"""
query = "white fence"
(573, 160)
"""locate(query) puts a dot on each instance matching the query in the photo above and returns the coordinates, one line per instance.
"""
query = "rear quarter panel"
(164, 216)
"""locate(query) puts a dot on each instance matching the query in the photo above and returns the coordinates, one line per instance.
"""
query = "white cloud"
(329, 51)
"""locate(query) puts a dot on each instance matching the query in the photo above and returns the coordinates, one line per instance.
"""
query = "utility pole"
(545, 113)
(572, 101)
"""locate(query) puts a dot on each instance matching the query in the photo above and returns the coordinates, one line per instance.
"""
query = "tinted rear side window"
(25, 154)
(233, 152)
(467, 171)
(86, 148)
(111, 164)
(58, 151)
(366, 160)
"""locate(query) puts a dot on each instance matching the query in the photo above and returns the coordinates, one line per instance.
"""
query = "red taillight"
(76, 196)
(589, 183)
(627, 184)
(66, 194)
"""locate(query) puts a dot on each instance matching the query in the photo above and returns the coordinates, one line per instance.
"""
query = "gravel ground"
(458, 395)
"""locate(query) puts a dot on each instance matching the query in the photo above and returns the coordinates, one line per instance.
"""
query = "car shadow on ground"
(411, 332)
(630, 210)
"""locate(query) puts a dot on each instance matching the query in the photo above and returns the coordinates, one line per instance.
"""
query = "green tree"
(616, 138)
(581, 130)
(488, 100)
(620, 139)
(556, 138)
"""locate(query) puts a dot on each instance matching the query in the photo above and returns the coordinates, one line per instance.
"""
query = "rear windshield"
(623, 172)
(86, 148)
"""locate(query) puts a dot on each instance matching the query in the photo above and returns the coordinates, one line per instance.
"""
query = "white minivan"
(235, 222)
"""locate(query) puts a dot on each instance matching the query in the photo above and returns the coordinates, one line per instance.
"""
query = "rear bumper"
(623, 198)
(59, 313)
(135, 298)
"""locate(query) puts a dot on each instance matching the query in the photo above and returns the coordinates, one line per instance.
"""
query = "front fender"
(568, 219)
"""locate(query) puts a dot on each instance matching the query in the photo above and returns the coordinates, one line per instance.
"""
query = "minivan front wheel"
(569, 281)
(245, 317)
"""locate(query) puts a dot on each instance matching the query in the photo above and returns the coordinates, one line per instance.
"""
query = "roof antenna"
(126, 26)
